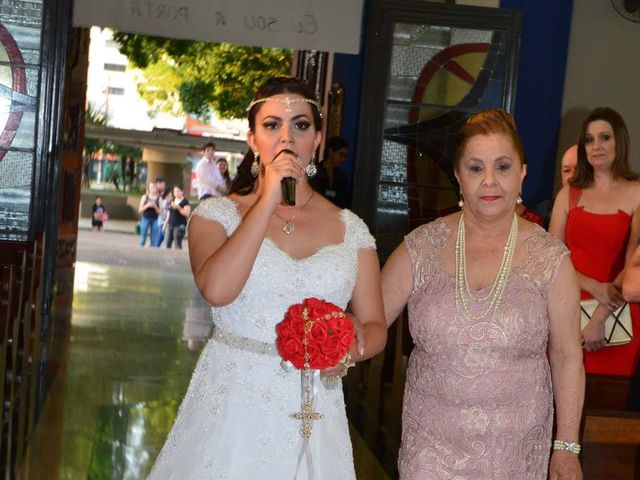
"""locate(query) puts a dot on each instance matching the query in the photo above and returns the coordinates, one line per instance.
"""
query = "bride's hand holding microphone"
(280, 178)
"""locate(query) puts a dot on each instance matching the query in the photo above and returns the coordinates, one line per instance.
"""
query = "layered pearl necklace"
(494, 297)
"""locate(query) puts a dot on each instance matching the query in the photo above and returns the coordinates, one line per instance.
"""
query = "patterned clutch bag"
(617, 326)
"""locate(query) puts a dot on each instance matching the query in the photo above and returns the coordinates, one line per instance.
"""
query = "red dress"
(598, 244)
(532, 216)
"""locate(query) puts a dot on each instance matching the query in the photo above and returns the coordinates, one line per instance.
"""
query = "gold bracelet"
(342, 373)
(345, 365)
(572, 447)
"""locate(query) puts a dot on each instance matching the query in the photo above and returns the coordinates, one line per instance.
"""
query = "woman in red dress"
(592, 215)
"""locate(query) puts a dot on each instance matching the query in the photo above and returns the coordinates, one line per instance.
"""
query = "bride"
(252, 257)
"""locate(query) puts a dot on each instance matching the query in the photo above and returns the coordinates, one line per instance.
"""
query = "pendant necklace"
(494, 297)
(288, 227)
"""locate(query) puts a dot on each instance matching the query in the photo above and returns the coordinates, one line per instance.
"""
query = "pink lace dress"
(478, 401)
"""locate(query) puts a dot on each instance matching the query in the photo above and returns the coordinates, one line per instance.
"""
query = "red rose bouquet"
(314, 335)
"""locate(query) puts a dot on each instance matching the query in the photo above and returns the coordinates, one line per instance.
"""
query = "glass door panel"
(436, 71)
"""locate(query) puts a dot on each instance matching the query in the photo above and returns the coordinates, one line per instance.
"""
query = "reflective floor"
(128, 367)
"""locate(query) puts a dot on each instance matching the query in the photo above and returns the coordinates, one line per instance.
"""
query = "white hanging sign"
(325, 25)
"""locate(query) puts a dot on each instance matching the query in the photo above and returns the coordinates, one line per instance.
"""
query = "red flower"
(291, 349)
(330, 334)
(319, 332)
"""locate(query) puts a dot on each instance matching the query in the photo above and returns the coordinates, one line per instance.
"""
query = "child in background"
(99, 215)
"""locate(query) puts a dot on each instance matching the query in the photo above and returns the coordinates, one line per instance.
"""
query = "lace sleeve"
(357, 233)
(221, 210)
(545, 255)
(423, 245)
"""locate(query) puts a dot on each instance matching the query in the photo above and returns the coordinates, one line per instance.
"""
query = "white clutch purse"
(617, 327)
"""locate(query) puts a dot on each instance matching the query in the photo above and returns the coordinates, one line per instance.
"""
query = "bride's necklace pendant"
(288, 228)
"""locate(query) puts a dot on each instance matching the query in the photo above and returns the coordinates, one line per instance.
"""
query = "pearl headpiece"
(287, 101)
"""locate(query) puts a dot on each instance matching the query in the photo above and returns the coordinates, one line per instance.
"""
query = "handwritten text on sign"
(327, 25)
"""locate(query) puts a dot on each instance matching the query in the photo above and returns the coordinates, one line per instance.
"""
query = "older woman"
(330, 181)
(489, 294)
(592, 215)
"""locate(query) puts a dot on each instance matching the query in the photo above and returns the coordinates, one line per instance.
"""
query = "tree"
(92, 146)
(95, 149)
(195, 76)
(128, 158)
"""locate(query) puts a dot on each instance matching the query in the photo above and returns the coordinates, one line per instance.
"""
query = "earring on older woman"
(519, 199)
(461, 201)
(311, 168)
(255, 166)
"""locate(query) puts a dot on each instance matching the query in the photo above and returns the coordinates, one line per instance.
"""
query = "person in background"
(568, 164)
(631, 282)
(330, 180)
(209, 180)
(164, 194)
(176, 223)
(567, 167)
(163, 218)
(149, 210)
(494, 316)
(223, 166)
(161, 187)
(592, 215)
(98, 215)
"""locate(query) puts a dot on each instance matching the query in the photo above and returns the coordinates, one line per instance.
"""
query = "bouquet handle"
(309, 389)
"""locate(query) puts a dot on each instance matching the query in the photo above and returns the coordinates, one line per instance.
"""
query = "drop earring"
(311, 168)
(461, 201)
(255, 166)
(519, 199)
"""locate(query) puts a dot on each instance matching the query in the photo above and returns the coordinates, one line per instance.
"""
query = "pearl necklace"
(494, 297)
(288, 228)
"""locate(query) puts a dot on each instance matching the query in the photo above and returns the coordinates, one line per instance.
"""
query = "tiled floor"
(128, 367)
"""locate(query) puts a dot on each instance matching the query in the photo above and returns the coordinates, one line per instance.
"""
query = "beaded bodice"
(278, 280)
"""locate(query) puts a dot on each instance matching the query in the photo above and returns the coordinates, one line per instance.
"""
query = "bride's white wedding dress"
(235, 420)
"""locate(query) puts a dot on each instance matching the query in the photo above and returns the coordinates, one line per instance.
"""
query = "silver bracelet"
(572, 447)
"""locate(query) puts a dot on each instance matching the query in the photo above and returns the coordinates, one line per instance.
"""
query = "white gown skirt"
(235, 423)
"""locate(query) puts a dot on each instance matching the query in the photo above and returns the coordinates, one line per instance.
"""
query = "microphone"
(288, 185)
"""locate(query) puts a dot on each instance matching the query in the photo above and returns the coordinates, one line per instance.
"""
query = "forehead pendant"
(287, 101)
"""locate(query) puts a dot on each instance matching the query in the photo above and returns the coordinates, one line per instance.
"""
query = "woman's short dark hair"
(334, 144)
(487, 122)
(583, 176)
(244, 182)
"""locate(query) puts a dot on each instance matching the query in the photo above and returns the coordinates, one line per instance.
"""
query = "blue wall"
(538, 110)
